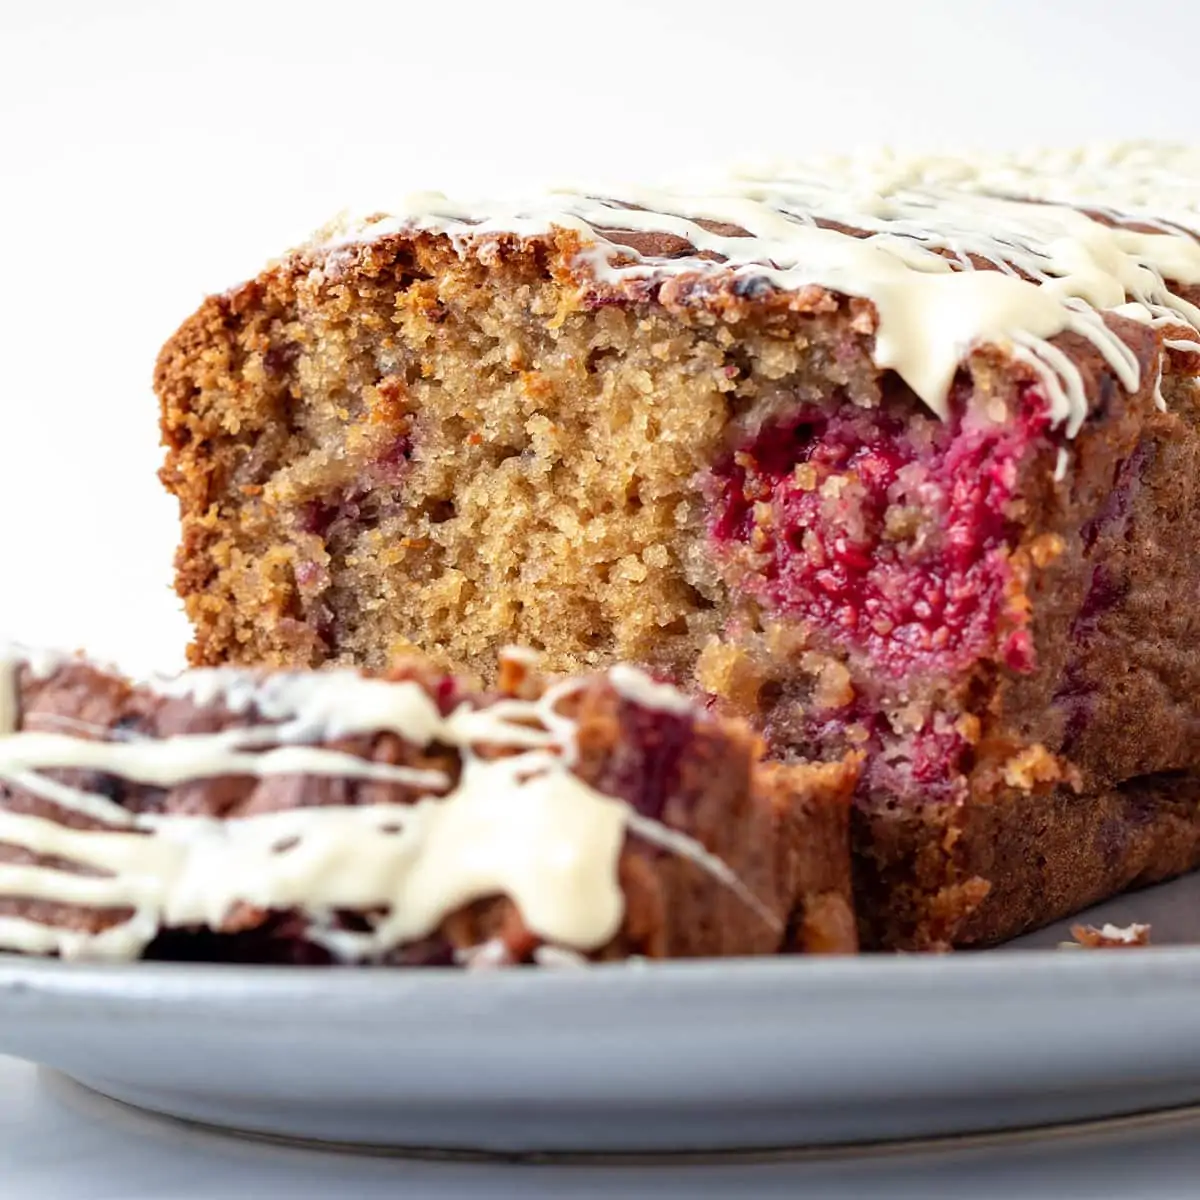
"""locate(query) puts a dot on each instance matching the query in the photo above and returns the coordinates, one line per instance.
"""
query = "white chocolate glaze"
(1156, 184)
(524, 656)
(1128, 934)
(517, 822)
(638, 687)
(556, 956)
(928, 224)
(486, 956)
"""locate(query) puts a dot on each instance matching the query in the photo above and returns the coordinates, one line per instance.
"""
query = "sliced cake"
(885, 466)
(407, 819)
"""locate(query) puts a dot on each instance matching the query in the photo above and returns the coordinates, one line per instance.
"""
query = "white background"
(153, 151)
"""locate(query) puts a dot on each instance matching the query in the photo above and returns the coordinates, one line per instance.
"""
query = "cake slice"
(405, 819)
(890, 468)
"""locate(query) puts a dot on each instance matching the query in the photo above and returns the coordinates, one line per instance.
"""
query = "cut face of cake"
(317, 817)
(887, 466)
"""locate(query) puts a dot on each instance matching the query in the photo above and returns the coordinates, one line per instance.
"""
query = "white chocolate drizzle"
(486, 956)
(637, 687)
(517, 823)
(557, 956)
(1129, 935)
(927, 224)
(522, 656)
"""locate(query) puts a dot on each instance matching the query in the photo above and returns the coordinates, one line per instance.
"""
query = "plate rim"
(260, 990)
(796, 1051)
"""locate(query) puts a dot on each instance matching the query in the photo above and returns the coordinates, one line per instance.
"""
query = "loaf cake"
(330, 816)
(885, 464)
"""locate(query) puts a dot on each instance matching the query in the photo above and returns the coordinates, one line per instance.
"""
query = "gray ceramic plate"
(674, 1057)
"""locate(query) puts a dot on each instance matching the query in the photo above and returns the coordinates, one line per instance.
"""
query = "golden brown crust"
(1019, 860)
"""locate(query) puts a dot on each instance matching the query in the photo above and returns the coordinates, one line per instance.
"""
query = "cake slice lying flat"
(332, 816)
(885, 467)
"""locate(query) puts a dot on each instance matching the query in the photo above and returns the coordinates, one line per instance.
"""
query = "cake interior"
(461, 456)
(407, 447)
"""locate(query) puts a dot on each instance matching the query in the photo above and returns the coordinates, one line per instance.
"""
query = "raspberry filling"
(891, 536)
(346, 507)
(644, 766)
